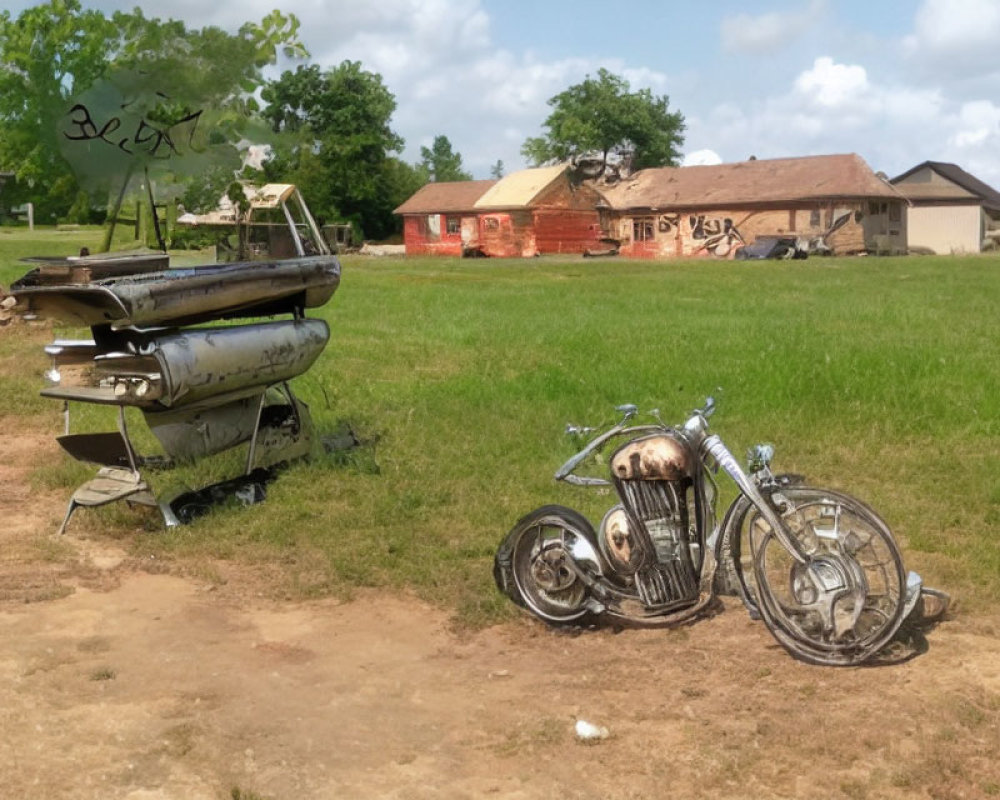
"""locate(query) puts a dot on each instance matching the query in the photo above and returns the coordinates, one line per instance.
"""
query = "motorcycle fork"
(714, 447)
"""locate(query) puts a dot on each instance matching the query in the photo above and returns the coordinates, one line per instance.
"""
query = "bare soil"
(120, 680)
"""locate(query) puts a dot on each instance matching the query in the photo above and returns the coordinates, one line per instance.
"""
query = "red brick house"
(526, 213)
(536, 211)
(439, 219)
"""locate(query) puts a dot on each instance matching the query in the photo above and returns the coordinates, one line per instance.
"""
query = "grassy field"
(876, 376)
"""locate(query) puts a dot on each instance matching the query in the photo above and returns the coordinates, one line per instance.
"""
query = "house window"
(642, 229)
(814, 218)
(491, 224)
(791, 220)
(434, 225)
(454, 225)
(894, 212)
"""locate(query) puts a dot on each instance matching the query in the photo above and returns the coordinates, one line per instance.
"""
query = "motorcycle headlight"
(759, 457)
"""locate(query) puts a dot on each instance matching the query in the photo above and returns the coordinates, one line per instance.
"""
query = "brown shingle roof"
(750, 182)
(445, 198)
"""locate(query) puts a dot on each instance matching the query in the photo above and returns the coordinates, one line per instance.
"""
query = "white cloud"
(836, 108)
(765, 33)
(957, 25)
(833, 86)
(642, 77)
(701, 158)
(977, 124)
(955, 38)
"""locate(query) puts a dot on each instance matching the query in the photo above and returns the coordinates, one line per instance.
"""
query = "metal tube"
(714, 447)
(253, 439)
(317, 234)
(123, 429)
(295, 233)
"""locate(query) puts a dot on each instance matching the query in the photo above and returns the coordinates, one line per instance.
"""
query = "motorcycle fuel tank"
(655, 457)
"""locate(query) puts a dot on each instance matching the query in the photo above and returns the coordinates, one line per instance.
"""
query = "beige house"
(950, 210)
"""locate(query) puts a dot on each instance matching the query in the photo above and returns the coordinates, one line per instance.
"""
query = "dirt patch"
(129, 684)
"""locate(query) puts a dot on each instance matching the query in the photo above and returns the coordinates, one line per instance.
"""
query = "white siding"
(944, 229)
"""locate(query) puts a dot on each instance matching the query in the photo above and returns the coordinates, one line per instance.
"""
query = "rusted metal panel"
(87, 268)
(179, 368)
(188, 296)
(201, 429)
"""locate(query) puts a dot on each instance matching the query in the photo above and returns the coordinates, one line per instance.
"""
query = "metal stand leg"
(73, 505)
(129, 450)
(252, 455)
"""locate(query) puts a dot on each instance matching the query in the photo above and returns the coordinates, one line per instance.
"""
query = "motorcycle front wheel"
(537, 564)
(846, 602)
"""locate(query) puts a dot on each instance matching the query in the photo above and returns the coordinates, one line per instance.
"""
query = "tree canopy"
(94, 104)
(441, 163)
(342, 153)
(602, 115)
(117, 96)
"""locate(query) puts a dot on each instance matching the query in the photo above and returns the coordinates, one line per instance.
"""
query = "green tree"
(602, 115)
(46, 54)
(85, 99)
(339, 145)
(497, 170)
(441, 163)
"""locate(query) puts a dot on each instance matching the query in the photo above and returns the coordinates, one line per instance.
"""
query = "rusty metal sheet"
(202, 364)
(188, 296)
(63, 270)
(192, 432)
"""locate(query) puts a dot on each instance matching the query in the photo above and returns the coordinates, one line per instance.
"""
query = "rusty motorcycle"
(820, 567)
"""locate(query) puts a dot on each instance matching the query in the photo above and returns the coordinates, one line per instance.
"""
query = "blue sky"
(897, 82)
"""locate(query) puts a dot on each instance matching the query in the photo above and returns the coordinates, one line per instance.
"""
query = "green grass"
(876, 376)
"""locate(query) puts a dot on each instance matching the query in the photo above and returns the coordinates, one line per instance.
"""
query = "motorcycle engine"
(618, 542)
(647, 537)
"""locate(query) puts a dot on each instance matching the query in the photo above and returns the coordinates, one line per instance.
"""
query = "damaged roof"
(963, 185)
(445, 197)
(777, 180)
(518, 189)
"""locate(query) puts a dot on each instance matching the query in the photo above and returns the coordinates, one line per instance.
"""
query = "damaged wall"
(507, 234)
(844, 227)
(437, 234)
(562, 218)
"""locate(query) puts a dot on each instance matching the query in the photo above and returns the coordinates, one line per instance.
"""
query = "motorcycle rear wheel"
(847, 602)
(533, 568)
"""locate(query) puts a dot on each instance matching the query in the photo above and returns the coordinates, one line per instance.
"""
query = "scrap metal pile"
(202, 388)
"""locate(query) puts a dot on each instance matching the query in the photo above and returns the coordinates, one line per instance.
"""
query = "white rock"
(588, 732)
